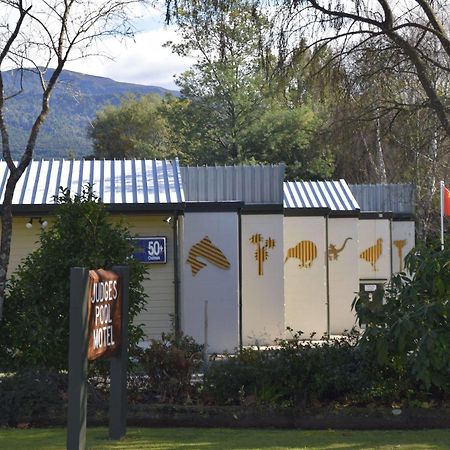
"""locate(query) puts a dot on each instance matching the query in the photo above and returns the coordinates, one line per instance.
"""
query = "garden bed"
(337, 417)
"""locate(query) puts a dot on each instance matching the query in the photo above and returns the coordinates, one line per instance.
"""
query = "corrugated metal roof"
(395, 198)
(249, 184)
(115, 182)
(334, 195)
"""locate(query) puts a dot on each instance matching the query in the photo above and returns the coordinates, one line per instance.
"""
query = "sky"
(143, 60)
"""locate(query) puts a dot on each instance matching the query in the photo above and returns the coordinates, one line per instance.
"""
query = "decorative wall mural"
(262, 253)
(400, 243)
(372, 254)
(333, 252)
(305, 251)
(207, 250)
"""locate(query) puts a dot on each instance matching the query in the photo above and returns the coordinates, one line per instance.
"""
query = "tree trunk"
(381, 167)
(5, 244)
(430, 192)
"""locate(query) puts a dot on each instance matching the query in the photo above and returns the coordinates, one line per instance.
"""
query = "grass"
(233, 439)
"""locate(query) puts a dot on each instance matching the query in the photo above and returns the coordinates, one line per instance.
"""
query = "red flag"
(446, 202)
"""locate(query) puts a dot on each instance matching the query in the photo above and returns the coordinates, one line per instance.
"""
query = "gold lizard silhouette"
(333, 252)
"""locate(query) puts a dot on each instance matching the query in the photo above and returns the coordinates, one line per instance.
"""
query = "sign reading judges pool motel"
(104, 314)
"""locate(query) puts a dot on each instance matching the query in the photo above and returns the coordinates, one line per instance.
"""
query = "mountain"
(74, 102)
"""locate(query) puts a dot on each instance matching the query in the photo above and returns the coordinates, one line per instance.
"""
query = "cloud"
(142, 61)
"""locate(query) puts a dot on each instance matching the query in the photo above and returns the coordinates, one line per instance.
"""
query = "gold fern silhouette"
(261, 253)
(372, 254)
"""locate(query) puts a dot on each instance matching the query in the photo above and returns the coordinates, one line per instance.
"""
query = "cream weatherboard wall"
(343, 271)
(374, 249)
(24, 240)
(159, 283)
(305, 274)
(209, 266)
(262, 278)
(403, 241)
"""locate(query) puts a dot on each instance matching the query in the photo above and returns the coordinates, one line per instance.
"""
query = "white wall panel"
(343, 263)
(374, 249)
(209, 266)
(305, 275)
(262, 278)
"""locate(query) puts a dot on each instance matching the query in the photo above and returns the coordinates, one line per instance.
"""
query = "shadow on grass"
(233, 439)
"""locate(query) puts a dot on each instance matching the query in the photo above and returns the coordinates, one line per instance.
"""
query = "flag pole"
(442, 215)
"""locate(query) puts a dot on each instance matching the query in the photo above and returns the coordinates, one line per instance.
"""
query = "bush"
(297, 373)
(29, 395)
(35, 327)
(406, 326)
(169, 364)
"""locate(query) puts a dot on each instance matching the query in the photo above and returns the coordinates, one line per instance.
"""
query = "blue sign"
(150, 250)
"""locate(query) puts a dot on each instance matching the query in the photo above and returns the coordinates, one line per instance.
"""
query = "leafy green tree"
(283, 134)
(236, 107)
(406, 326)
(225, 88)
(134, 129)
(35, 330)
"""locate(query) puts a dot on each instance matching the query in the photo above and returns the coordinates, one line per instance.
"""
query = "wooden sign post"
(98, 329)
(119, 363)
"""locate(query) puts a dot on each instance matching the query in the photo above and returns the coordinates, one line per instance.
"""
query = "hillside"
(73, 105)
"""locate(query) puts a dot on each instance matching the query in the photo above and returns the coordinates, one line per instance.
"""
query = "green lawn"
(217, 438)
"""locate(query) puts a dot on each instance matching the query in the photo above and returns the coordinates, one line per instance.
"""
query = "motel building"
(234, 254)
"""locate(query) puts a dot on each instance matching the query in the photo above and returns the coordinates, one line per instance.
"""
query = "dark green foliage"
(29, 395)
(407, 329)
(169, 364)
(295, 374)
(135, 129)
(35, 329)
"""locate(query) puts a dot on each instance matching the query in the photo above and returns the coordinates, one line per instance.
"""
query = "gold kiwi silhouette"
(305, 251)
(372, 254)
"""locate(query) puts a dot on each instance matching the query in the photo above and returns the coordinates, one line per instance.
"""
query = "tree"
(225, 88)
(135, 128)
(379, 114)
(414, 29)
(34, 37)
(235, 106)
(35, 331)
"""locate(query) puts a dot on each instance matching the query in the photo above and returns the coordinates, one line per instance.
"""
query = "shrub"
(29, 395)
(35, 327)
(406, 326)
(169, 364)
(296, 373)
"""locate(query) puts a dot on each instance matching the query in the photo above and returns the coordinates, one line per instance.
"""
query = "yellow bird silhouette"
(372, 254)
